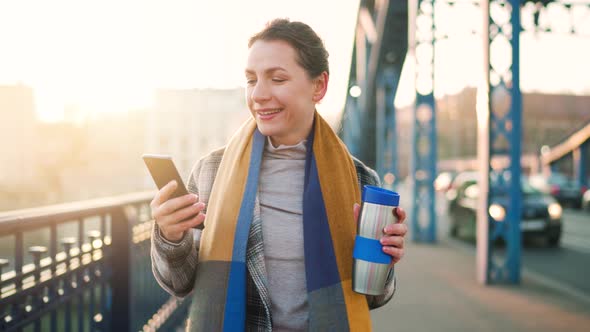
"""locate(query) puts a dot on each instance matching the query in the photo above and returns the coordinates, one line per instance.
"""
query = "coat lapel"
(255, 257)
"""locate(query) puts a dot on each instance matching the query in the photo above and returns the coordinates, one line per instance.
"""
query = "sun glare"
(110, 56)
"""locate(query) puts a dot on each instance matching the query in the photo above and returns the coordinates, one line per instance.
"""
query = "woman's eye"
(278, 80)
(250, 82)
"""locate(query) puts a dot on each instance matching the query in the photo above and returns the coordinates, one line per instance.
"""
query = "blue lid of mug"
(376, 195)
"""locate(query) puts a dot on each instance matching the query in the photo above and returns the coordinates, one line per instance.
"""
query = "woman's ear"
(320, 87)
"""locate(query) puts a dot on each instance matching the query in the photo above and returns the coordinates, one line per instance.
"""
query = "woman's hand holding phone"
(177, 215)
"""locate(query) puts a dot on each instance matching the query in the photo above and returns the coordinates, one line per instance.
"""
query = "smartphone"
(163, 171)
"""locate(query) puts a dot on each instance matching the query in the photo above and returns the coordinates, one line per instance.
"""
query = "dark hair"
(311, 53)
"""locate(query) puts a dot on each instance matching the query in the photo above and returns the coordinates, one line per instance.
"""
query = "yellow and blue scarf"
(329, 228)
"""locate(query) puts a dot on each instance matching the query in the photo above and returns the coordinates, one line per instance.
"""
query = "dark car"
(459, 182)
(444, 180)
(565, 190)
(541, 213)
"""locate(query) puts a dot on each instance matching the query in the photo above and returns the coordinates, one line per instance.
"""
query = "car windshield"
(558, 179)
(525, 186)
(527, 189)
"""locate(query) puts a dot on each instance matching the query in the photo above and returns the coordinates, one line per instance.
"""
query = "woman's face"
(280, 94)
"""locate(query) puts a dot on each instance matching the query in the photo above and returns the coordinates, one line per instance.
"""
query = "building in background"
(188, 124)
(86, 157)
(17, 143)
(112, 156)
(91, 156)
(547, 119)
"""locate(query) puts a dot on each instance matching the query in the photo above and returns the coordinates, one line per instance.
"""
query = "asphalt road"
(569, 264)
(566, 267)
(437, 291)
(576, 231)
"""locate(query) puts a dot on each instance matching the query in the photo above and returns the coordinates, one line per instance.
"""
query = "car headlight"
(497, 212)
(554, 210)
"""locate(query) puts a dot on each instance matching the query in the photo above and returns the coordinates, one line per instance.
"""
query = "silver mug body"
(369, 277)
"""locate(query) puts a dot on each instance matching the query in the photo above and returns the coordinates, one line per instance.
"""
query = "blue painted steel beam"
(351, 122)
(572, 25)
(379, 51)
(387, 162)
(350, 125)
(571, 156)
(424, 142)
(505, 133)
(559, 158)
(381, 126)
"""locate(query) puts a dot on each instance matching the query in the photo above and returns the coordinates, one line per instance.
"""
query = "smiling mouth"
(269, 112)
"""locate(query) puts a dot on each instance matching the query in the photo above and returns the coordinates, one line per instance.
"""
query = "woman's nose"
(260, 93)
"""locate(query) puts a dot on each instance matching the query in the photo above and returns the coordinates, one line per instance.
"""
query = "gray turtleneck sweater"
(281, 211)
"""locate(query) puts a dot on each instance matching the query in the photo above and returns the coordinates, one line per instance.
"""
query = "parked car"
(459, 182)
(541, 213)
(444, 180)
(565, 190)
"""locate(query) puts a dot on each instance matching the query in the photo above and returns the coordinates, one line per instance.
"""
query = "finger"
(395, 241)
(396, 229)
(182, 214)
(174, 204)
(400, 214)
(170, 206)
(164, 194)
(356, 210)
(394, 252)
(188, 224)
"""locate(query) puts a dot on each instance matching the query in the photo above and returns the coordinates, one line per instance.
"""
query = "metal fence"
(83, 266)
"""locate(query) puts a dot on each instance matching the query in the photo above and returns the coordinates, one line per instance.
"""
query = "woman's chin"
(266, 129)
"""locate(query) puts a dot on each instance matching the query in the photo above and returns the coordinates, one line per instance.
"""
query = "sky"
(111, 55)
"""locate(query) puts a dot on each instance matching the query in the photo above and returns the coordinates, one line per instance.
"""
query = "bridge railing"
(83, 266)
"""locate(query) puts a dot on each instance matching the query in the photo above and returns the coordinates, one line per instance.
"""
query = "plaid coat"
(174, 264)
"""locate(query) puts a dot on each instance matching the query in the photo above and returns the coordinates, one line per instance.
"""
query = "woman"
(281, 201)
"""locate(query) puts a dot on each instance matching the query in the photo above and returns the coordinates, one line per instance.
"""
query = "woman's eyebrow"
(267, 71)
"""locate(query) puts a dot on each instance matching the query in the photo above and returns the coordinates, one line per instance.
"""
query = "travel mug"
(371, 264)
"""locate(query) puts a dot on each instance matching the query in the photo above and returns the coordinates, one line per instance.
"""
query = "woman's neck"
(293, 137)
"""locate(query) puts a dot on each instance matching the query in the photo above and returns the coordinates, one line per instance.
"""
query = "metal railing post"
(120, 282)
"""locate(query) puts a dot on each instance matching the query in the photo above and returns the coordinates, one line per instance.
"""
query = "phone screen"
(163, 171)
